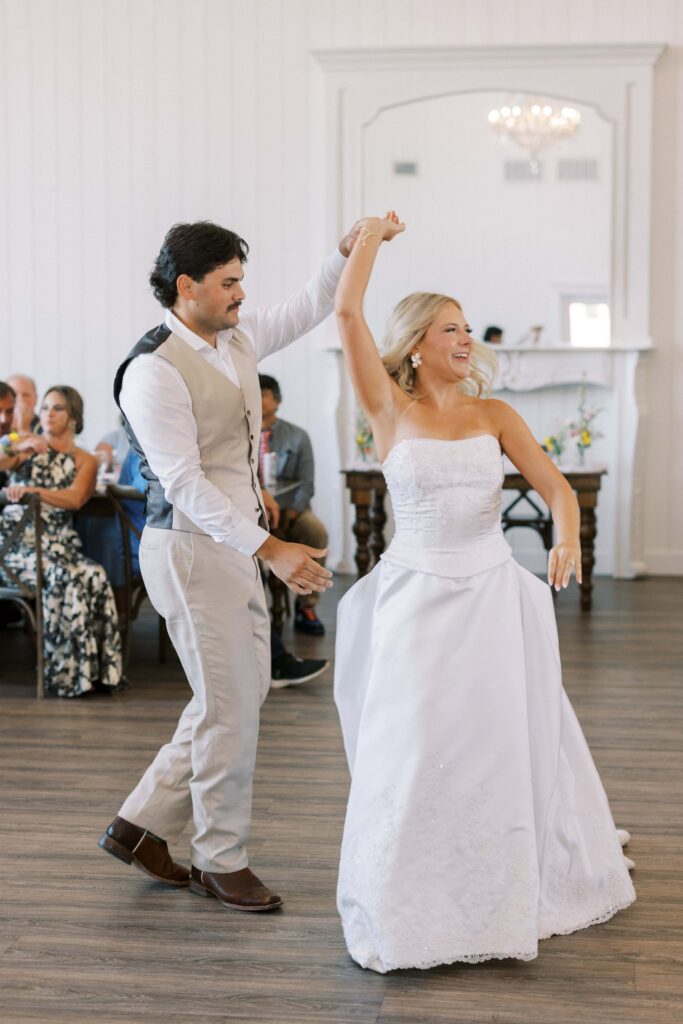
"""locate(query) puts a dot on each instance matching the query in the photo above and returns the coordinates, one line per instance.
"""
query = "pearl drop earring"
(416, 359)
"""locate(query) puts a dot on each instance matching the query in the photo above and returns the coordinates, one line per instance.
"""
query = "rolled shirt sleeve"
(157, 404)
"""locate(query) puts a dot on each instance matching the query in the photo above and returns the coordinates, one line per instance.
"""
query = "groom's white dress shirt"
(166, 428)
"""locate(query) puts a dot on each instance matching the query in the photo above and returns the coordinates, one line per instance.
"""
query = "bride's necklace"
(436, 391)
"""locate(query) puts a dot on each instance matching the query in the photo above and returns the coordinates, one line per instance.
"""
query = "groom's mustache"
(235, 305)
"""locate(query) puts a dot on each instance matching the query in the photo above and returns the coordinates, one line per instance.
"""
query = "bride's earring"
(415, 359)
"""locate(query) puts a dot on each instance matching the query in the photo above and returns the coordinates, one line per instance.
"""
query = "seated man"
(26, 420)
(7, 437)
(298, 522)
(13, 447)
(286, 669)
(13, 450)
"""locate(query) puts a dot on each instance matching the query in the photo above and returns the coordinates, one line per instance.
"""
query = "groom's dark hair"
(195, 250)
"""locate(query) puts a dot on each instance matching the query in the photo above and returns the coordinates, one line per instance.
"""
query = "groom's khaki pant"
(213, 601)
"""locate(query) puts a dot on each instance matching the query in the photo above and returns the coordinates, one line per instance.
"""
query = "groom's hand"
(388, 227)
(294, 565)
(349, 240)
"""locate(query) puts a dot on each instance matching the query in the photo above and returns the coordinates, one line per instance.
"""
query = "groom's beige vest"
(228, 426)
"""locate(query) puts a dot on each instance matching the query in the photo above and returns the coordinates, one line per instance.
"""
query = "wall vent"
(577, 170)
(405, 167)
(522, 170)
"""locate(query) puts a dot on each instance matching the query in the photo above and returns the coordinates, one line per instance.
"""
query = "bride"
(477, 823)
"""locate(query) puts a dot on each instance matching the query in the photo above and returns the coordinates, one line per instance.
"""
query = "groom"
(189, 393)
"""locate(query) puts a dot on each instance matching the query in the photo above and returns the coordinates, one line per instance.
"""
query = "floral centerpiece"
(555, 444)
(581, 428)
(364, 439)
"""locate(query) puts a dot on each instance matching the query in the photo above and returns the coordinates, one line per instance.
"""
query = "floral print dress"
(82, 641)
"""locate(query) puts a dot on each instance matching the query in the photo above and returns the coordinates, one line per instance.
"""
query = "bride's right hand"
(386, 227)
(392, 225)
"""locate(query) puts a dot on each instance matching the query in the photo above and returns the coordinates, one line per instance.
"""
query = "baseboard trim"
(664, 563)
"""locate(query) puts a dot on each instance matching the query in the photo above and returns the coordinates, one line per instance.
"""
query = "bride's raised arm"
(372, 384)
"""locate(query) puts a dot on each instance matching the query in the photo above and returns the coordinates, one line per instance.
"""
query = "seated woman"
(82, 642)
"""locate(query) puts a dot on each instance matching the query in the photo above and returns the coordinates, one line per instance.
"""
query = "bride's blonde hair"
(407, 327)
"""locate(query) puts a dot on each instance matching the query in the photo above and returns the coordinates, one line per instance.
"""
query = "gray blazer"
(294, 462)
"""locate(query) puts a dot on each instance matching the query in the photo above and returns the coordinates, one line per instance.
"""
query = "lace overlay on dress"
(435, 484)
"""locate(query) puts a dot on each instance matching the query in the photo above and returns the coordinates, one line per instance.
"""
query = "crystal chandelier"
(534, 124)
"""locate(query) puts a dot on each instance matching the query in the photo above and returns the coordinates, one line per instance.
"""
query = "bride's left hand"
(562, 560)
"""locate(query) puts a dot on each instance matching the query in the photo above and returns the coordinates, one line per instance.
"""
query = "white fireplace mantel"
(527, 368)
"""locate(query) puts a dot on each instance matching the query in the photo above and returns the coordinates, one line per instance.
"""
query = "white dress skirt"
(477, 823)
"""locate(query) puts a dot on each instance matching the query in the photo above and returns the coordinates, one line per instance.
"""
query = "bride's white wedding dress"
(477, 823)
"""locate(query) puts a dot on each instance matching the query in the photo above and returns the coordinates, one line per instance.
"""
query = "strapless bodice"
(446, 498)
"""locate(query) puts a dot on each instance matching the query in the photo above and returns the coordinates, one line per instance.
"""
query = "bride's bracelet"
(364, 234)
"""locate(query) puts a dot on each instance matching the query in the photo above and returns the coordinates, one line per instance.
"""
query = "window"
(589, 324)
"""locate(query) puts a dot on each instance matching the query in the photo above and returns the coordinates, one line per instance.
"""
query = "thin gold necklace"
(436, 391)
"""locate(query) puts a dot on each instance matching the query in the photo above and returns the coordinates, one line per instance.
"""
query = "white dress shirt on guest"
(156, 402)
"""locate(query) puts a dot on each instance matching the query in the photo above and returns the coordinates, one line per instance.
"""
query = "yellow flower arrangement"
(554, 444)
(364, 439)
(581, 428)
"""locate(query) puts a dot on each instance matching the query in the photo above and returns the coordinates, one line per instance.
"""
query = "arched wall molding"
(352, 87)
(610, 121)
(490, 88)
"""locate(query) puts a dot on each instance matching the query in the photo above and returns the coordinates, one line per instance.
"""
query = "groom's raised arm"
(274, 327)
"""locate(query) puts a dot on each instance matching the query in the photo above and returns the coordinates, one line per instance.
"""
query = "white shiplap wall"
(119, 117)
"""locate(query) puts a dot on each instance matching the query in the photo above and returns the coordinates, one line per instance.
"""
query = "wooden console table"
(368, 489)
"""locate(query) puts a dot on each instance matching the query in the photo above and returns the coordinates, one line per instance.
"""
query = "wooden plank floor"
(83, 938)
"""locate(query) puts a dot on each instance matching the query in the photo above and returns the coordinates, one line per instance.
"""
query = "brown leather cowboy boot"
(137, 846)
(237, 890)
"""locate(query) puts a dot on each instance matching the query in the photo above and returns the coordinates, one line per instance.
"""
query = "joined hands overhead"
(385, 228)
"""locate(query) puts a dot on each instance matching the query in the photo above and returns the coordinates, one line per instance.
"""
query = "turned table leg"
(378, 518)
(277, 608)
(362, 528)
(587, 534)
